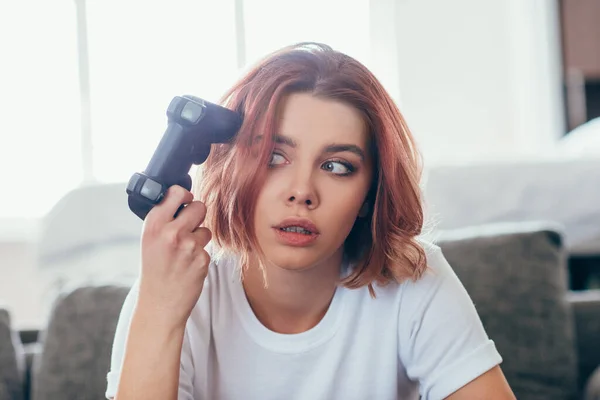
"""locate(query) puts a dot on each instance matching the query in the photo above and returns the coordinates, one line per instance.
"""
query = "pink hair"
(383, 245)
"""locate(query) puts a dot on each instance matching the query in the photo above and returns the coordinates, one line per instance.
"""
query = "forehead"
(307, 118)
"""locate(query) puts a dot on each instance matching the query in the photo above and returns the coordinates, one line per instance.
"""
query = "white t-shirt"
(415, 338)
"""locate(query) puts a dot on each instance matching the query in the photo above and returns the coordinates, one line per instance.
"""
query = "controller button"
(192, 112)
(152, 190)
(133, 181)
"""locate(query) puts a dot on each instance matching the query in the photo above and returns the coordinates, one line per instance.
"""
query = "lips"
(300, 223)
(296, 232)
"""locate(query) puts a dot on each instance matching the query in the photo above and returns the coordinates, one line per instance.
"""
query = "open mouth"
(296, 229)
(298, 232)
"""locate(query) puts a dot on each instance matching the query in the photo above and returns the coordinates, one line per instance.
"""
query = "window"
(40, 106)
(141, 54)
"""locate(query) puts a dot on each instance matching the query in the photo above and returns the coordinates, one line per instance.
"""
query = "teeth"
(296, 229)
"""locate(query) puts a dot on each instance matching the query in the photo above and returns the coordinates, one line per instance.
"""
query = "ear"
(364, 210)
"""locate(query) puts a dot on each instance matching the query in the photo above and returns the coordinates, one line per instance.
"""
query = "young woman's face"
(319, 174)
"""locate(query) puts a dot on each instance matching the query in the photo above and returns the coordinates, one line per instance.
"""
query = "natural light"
(176, 47)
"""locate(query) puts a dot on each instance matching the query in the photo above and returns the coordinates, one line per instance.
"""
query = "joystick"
(193, 125)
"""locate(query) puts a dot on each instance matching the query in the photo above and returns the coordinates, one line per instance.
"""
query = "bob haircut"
(383, 245)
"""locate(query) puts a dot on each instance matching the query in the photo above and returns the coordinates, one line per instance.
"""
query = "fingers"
(201, 263)
(165, 211)
(190, 217)
(203, 236)
(186, 245)
(191, 249)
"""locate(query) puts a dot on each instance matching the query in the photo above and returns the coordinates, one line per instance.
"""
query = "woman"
(315, 284)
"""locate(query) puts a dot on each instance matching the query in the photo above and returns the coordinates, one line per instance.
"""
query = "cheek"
(345, 211)
(265, 199)
(344, 206)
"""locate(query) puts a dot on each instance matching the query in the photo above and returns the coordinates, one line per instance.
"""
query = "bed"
(562, 188)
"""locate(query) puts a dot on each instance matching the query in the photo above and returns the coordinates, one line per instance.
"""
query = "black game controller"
(193, 125)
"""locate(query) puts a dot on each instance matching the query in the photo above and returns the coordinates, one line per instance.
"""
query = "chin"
(293, 259)
(290, 258)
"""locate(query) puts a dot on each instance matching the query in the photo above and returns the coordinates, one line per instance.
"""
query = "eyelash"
(351, 168)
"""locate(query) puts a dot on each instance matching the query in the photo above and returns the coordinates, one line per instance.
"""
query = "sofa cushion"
(516, 276)
(11, 360)
(76, 345)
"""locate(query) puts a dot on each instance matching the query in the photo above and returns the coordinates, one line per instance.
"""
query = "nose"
(301, 192)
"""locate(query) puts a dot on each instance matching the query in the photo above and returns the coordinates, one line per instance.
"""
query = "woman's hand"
(174, 262)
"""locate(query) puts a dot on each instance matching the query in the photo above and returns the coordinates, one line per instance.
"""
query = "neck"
(292, 301)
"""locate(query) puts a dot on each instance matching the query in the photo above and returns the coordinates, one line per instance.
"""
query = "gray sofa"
(548, 336)
(12, 359)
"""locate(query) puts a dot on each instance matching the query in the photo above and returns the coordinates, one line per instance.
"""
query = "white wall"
(479, 78)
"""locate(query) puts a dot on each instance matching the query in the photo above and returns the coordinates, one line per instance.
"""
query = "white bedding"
(561, 189)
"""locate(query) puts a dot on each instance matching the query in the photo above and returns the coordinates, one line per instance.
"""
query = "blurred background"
(503, 96)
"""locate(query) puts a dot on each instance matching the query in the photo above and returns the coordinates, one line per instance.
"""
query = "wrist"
(156, 319)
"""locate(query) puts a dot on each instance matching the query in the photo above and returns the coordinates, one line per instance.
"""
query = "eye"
(276, 159)
(338, 167)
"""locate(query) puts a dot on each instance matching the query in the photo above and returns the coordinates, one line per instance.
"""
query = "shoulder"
(443, 343)
(437, 300)
(410, 300)
(439, 290)
(438, 272)
(437, 265)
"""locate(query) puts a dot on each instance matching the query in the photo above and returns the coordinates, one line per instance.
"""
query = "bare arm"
(151, 361)
(174, 267)
(490, 386)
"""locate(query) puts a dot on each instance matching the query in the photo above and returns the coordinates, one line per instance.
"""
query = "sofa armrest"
(586, 311)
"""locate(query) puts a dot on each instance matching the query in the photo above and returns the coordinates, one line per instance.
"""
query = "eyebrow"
(332, 148)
